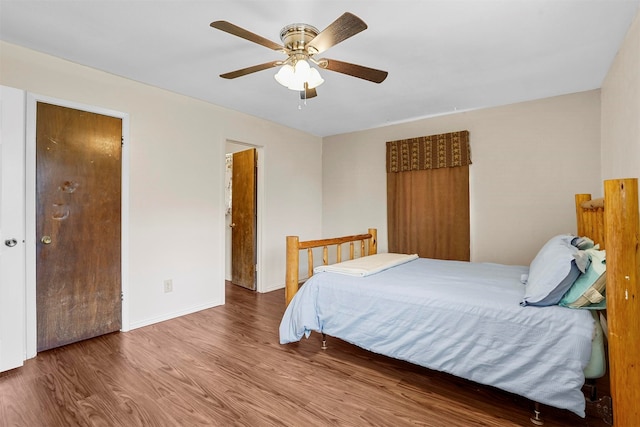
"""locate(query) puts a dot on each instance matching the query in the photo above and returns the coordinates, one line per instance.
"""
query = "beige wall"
(621, 110)
(529, 160)
(177, 147)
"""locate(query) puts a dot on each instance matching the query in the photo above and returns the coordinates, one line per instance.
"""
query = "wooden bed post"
(293, 262)
(373, 241)
(623, 298)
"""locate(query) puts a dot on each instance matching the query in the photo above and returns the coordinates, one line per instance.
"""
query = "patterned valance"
(446, 150)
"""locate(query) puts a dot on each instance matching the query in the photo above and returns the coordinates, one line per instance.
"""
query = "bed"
(493, 329)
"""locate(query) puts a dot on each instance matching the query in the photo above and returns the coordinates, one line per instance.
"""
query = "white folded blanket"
(367, 265)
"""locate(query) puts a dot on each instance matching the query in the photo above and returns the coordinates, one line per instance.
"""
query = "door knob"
(233, 224)
(11, 242)
(46, 240)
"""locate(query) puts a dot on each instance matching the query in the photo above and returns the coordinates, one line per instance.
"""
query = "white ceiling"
(442, 56)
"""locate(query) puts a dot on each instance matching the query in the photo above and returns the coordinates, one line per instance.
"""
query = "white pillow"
(552, 272)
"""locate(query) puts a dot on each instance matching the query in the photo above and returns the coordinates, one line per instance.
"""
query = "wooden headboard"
(613, 222)
(294, 246)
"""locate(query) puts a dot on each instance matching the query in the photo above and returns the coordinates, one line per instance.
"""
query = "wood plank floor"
(224, 366)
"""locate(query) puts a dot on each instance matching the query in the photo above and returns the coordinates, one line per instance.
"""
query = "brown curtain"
(428, 196)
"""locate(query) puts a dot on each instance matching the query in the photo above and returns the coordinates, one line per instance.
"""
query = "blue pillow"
(552, 272)
(589, 287)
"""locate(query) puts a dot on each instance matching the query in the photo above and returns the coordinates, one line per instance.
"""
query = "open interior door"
(244, 219)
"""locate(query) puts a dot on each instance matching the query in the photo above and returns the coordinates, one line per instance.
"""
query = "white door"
(12, 228)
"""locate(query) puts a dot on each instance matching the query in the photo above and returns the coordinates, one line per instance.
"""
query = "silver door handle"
(11, 242)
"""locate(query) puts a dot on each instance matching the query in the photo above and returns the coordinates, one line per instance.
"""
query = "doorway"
(241, 216)
(36, 238)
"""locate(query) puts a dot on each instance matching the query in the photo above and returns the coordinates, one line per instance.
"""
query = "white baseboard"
(274, 288)
(173, 315)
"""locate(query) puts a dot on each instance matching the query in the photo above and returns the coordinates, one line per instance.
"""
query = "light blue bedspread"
(456, 317)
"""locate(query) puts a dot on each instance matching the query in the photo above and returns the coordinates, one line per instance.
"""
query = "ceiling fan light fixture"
(315, 79)
(285, 75)
(294, 77)
(302, 67)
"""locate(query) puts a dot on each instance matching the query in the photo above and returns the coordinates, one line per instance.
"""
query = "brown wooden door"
(243, 219)
(78, 212)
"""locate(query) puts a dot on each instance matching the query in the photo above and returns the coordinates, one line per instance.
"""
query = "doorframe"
(30, 211)
(260, 208)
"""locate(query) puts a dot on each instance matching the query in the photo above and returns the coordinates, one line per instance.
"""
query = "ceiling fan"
(301, 43)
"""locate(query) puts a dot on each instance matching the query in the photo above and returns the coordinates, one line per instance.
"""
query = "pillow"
(582, 243)
(582, 257)
(552, 272)
(582, 260)
(589, 287)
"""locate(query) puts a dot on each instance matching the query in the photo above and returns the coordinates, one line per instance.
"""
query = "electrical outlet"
(168, 286)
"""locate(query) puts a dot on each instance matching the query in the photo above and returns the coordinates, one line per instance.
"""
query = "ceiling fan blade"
(339, 30)
(359, 71)
(249, 70)
(308, 93)
(230, 28)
